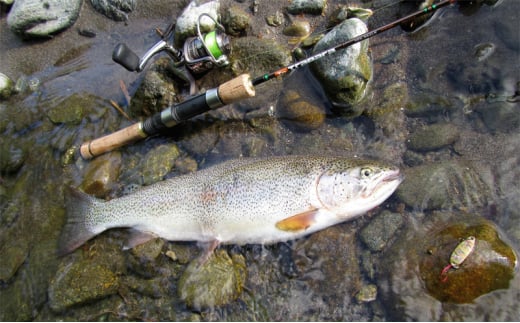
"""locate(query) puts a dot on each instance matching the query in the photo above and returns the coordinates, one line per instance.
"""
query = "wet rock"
(115, 9)
(298, 28)
(145, 259)
(296, 112)
(80, 282)
(158, 162)
(101, 174)
(200, 140)
(236, 21)
(380, 230)
(182, 253)
(157, 91)
(275, 20)
(445, 185)
(483, 287)
(344, 75)
(12, 155)
(315, 7)
(484, 50)
(506, 30)
(491, 263)
(154, 288)
(500, 116)
(14, 253)
(328, 258)
(430, 107)
(36, 18)
(6, 87)
(268, 55)
(368, 293)
(344, 12)
(186, 24)
(433, 137)
(217, 282)
(70, 111)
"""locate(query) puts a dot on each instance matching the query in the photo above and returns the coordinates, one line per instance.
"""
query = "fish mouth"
(393, 175)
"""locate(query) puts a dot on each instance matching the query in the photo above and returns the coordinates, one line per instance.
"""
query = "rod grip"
(236, 89)
(112, 141)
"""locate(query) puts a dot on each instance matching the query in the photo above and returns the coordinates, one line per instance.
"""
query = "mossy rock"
(298, 113)
(433, 137)
(216, 282)
(488, 267)
(81, 282)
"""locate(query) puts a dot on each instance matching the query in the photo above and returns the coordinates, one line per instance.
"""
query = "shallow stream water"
(462, 69)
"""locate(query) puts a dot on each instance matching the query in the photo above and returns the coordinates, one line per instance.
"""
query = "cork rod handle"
(112, 141)
(236, 89)
(233, 90)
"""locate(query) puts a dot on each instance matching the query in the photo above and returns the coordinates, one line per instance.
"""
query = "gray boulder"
(115, 9)
(36, 18)
(344, 74)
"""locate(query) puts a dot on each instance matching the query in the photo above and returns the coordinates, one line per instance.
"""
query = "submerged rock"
(294, 111)
(115, 9)
(315, 7)
(101, 174)
(445, 185)
(380, 230)
(491, 263)
(12, 155)
(345, 74)
(217, 282)
(80, 282)
(267, 53)
(157, 91)
(158, 162)
(6, 87)
(144, 259)
(483, 287)
(236, 21)
(500, 116)
(70, 111)
(433, 137)
(36, 18)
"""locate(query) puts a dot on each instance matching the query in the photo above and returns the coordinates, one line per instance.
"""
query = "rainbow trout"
(240, 201)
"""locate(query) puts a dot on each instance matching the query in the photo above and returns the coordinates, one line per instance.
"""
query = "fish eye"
(366, 172)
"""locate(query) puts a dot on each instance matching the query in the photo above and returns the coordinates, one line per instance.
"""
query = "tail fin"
(78, 228)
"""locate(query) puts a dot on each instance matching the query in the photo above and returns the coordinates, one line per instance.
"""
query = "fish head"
(349, 189)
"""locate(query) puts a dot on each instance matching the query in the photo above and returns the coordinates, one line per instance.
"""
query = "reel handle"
(233, 90)
(125, 57)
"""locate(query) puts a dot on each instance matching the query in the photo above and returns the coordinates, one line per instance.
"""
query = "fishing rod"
(239, 88)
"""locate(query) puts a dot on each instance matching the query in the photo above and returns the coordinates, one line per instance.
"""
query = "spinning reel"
(199, 54)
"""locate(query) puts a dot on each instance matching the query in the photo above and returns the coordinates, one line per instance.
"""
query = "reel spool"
(200, 53)
(204, 52)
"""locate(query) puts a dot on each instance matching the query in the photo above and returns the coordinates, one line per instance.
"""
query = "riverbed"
(442, 104)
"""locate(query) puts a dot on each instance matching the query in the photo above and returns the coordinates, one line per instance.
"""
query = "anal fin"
(138, 238)
(298, 222)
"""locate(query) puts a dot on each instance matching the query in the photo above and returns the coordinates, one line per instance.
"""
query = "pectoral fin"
(298, 222)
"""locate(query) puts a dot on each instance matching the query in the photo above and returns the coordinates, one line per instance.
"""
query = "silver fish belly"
(257, 200)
